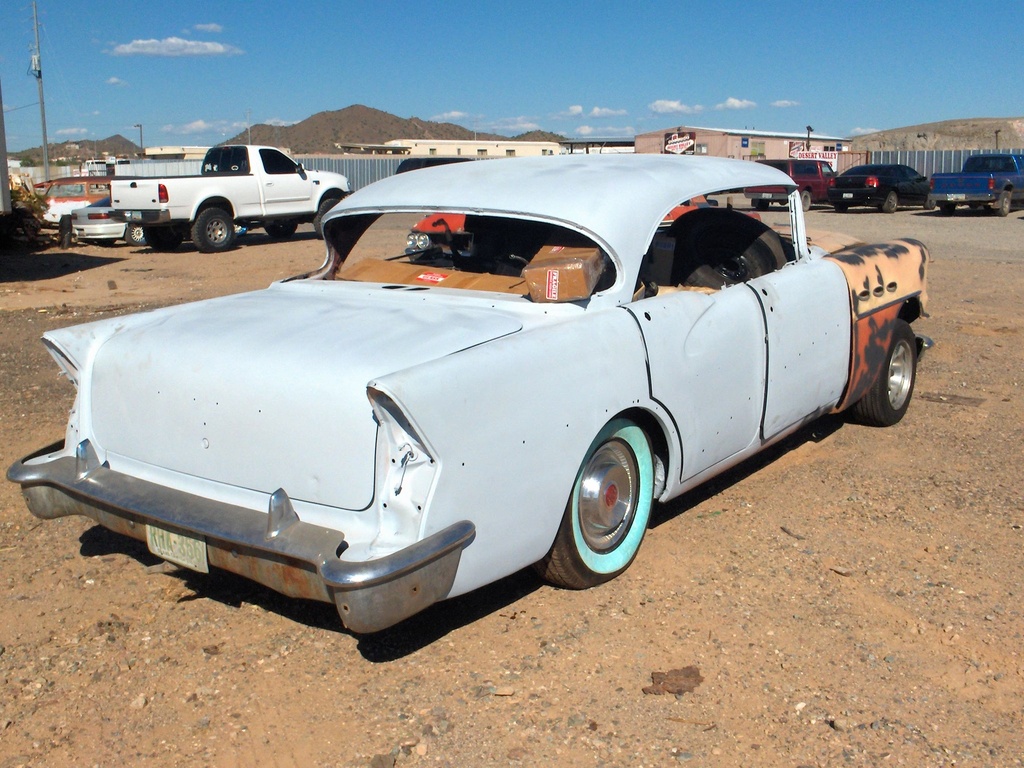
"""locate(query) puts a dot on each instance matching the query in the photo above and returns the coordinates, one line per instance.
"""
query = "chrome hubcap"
(216, 231)
(900, 368)
(608, 495)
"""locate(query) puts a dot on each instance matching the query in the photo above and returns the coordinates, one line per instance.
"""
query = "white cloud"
(514, 125)
(584, 130)
(72, 131)
(277, 121)
(447, 117)
(668, 106)
(785, 103)
(864, 131)
(575, 110)
(222, 127)
(115, 81)
(606, 112)
(174, 46)
(608, 132)
(732, 103)
(208, 28)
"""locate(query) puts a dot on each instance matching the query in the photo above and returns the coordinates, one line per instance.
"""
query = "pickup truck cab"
(246, 185)
(994, 181)
(814, 178)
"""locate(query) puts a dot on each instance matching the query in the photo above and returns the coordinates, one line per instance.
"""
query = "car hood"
(264, 390)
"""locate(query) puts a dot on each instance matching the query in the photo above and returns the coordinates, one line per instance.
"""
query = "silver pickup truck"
(239, 185)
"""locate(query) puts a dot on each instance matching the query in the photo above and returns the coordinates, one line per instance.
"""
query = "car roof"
(618, 200)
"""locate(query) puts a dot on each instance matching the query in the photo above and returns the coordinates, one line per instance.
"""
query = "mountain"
(359, 124)
(74, 152)
(974, 133)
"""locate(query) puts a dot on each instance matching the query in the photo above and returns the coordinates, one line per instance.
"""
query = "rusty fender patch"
(883, 274)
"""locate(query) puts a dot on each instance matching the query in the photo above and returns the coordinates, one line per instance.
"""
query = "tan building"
(748, 145)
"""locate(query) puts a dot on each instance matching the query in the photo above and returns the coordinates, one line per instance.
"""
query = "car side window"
(277, 163)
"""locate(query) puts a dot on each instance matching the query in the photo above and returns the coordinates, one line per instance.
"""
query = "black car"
(883, 186)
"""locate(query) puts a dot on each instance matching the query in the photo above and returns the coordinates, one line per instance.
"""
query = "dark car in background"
(882, 186)
(813, 177)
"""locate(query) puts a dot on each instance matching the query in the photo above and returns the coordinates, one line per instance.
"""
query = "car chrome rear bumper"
(275, 549)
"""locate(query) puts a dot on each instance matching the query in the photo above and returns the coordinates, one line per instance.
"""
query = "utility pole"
(142, 144)
(248, 126)
(36, 70)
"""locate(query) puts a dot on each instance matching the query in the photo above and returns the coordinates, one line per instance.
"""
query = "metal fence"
(359, 171)
(927, 162)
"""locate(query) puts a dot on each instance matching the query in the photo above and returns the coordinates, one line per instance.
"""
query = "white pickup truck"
(239, 185)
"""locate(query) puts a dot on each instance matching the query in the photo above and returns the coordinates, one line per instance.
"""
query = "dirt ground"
(850, 598)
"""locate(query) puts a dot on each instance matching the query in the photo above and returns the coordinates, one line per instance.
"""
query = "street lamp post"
(997, 139)
(142, 144)
(809, 129)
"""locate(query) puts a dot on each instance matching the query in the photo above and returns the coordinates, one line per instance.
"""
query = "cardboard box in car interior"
(563, 273)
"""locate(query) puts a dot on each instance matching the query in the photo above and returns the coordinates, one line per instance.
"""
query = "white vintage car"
(583, 337)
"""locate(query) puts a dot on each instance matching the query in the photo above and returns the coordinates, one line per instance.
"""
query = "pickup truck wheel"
(805, 200)
(163, 239)
(325, 205)
(281, 230)
(608, 511)
(134, 234)
(213, 231)
(947, 208)
(762, 205)
(888, 399)
(891, 202)
(841, 207)
(1002, 206)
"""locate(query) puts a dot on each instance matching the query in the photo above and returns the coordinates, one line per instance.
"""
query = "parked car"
(995, 182)
(814, 178)
(98, 221)
(396, 428)
(240, 186)
(884, 186)
(65, 194)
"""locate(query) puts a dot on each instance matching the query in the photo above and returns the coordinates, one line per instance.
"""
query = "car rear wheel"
(608, 511)
(947, 208)
(213, 231)
(805, 200)
(888, 399)
(134, 234)
(762, 205)
(841, 207)
(891, 202)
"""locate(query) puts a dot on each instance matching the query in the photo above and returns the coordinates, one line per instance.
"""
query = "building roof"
(763, 134)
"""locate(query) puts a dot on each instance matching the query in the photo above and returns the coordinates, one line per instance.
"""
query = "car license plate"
(134, 215)
(955, 196)
(177, 548)
(766, 195)
(847, 195)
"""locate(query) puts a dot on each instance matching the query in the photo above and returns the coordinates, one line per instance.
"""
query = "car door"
(285, 185)
(706, 362)
(806, 308)
(913, 186)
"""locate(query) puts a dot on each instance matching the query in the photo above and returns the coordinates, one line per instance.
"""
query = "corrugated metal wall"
(927, 162)
(359, 171)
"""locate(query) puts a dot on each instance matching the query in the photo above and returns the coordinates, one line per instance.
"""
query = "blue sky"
(193, 72)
